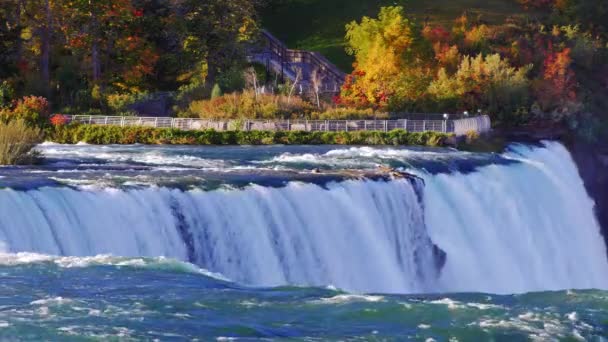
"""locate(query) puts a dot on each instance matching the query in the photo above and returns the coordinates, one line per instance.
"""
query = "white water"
(505, 229)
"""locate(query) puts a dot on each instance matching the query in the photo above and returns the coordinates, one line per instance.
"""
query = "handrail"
(480, 124)
(287, 55)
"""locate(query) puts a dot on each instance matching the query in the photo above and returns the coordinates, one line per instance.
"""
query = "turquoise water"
(44, 298)
(289, 243)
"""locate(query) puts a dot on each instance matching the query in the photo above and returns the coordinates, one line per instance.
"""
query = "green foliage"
(17, 139)
(348, 114)
(74, 133)
(488, 82)
(216, 91)
(7, 93)
(119, 103)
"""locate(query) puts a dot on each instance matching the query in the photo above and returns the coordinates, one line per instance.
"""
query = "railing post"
(385, 125)
(156, 122)
(346, 125)
(122, 121)
(424, 125)
(105, 123)
(405, 124)
(445, 126)
(288, 125)
(172, 122)
(90, 119)
(326, 125)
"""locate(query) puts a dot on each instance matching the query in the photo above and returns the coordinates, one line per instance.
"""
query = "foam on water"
(157, 263)
(527, 226)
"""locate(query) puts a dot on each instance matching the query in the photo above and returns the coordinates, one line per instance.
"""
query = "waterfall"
(505, 228)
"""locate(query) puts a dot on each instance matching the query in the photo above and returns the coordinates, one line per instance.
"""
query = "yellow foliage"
(381, 47)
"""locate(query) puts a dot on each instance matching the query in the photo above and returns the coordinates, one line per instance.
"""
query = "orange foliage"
(558, 84)
(59, 120)
(436, 34)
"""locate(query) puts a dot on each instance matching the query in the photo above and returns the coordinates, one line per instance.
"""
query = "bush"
(247, 105)
(6, 94)
(119, 103)
(348, 114)
(59, 120)
(74, 133)
(17, 139)
(33, 110)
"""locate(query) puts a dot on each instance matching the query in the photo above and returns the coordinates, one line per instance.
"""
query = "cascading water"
(510, 228)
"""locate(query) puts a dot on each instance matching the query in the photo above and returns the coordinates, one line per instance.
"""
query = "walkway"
(479, 124)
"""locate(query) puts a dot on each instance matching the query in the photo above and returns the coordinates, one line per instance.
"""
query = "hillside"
(318, 25)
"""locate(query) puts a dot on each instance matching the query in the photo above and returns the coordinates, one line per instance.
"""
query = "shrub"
(33, 110)
(6, 94)
(74, 133)
(348, 114)
(248, 105)
(59, 120)
(119, 103)
(471, 136)
(17, 139)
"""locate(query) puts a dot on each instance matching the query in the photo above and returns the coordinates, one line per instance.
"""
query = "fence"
(480, 124)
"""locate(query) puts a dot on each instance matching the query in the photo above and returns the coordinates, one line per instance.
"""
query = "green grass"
(318, 25)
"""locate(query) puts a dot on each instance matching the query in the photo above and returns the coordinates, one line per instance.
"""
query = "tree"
(483, 82)
(215, 31)
(558, 84)
(296, 82)
(383, 49)
(316, 81)
(9, 38)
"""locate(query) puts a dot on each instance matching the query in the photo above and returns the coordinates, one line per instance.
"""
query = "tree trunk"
(211, 73)
(95, 60)
(95, 63)
(19, 14)
(46, 50)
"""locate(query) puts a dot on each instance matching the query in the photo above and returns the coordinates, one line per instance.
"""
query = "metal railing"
(480, 124)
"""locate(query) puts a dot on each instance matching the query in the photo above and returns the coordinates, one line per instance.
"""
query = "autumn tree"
(383, 48)
(484, 82)
(558, 84)
(215, 31)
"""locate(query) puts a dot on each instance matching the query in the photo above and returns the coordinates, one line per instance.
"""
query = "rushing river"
(172, 243)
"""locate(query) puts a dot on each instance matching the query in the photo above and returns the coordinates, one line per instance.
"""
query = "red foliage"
(559, 80)
(436, 34)
(36, 104)
(59, 120)
(557, 70)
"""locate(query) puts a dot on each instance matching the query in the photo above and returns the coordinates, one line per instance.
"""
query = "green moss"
(74, 133)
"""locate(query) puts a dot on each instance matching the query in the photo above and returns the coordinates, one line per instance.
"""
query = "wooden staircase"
(287, 63)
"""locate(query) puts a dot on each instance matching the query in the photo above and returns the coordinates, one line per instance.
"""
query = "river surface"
(287, 242)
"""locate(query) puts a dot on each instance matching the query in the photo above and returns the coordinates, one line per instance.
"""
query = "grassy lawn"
(318, 25)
